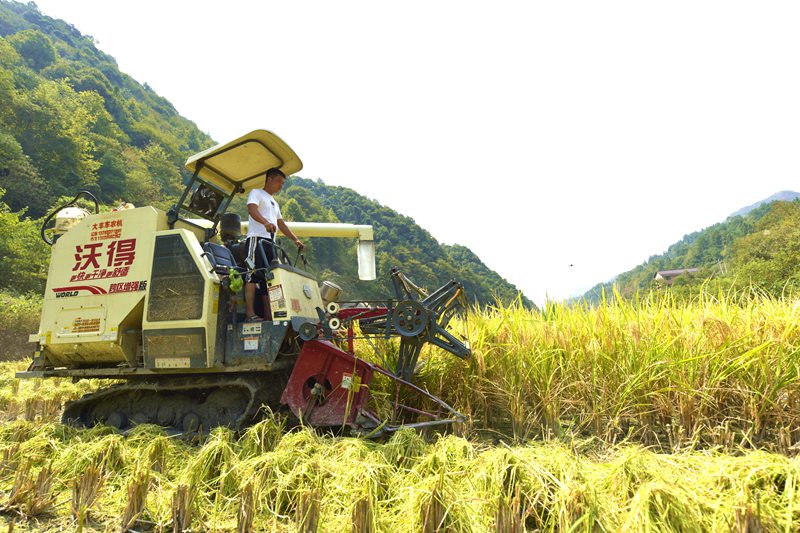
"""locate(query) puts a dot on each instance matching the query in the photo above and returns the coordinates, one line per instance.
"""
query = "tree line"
(71, 120)
(760, 250)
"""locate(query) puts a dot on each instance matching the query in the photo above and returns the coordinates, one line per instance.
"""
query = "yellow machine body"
(100, 298)
(133, 291)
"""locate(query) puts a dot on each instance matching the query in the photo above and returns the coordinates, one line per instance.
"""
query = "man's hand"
(300, 245)
(271, 228)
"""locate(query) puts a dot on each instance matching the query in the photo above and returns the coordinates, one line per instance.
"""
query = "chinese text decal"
(98, 260)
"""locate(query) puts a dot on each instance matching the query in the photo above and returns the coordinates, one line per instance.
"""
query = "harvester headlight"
(68, 218)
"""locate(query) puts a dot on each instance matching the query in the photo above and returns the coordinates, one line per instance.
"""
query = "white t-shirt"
(267, 208)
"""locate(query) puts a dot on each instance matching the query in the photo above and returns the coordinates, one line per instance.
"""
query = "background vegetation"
(71, 120)
(758, 249)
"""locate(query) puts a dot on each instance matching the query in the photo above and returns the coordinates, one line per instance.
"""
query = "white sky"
(539, 135)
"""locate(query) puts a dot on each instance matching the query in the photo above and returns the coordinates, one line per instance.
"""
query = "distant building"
(668, 276)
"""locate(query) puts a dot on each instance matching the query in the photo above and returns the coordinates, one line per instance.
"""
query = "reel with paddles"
(329, 379)
(418, 318)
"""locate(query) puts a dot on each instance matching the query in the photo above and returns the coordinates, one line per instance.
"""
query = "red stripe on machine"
(94, 289)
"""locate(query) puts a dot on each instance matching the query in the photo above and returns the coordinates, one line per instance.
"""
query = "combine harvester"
(150, 298)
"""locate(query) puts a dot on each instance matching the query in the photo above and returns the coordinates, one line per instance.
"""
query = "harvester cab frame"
(150, 297)
(223, 171)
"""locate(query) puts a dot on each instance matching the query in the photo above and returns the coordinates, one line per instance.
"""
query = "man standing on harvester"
(265, 219)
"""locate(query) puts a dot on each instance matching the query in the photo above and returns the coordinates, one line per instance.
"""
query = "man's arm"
(286, 231)
(253, 210)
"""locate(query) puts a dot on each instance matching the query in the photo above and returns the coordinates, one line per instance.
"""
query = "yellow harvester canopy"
(244, 161)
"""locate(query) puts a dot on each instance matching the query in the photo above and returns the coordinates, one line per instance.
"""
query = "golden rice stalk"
(154, 447)
(158, 452)
(212, 465)
(84, 493)
(307, 513)
(434, 511)
(42, 408)
(247, 510)
(182, 501)
(31, 497)
(263, 436)
(9, 462)
(363, 516)
(101, 446)
(137, 496)
(405, 448)
(509, 518)
(745, 520)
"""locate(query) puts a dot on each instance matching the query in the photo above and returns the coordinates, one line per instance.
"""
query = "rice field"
(721, 370)
(647, 416)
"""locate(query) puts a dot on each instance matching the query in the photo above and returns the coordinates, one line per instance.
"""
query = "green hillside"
(760, 249)
(71, 120)
(402, 243)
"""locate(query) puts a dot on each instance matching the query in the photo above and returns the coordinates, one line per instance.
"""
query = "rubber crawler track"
(183, 404)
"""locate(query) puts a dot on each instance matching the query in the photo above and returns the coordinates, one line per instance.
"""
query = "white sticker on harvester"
(275, 293)
(111, 336)
(172, 362)
(251, 328)
(251, 343)
(350, 382)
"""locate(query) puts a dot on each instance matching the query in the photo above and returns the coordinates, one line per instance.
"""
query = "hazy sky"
(563, 142)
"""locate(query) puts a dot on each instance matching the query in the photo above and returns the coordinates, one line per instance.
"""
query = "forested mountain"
(70, 120)
(760, 249)
(401, 242)
(785, 196)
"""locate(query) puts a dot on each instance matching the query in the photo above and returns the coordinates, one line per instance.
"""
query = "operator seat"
(239, 251)
(221, 258)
